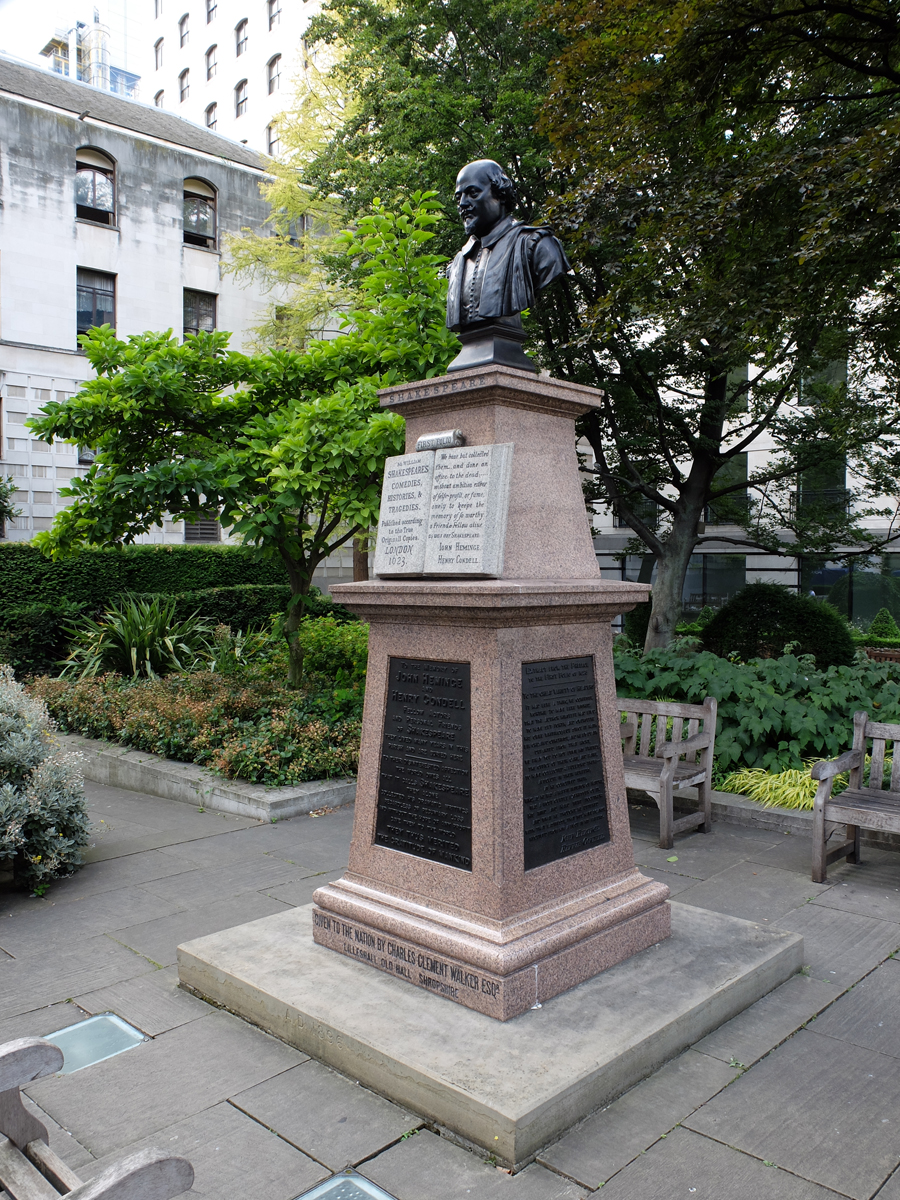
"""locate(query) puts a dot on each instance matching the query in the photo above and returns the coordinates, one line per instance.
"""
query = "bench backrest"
(878, 743)
(673, 723)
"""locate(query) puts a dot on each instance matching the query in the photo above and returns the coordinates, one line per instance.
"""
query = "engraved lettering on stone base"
(564, 790)
(425, 778)
(403, 521)
(469, 507)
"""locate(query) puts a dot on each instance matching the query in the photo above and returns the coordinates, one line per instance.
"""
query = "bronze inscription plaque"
(425, 780)
(562, 763)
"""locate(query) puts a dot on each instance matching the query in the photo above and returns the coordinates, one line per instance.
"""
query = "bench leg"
(853, 836)
(666, 819)
(819, 856)
(704, 792)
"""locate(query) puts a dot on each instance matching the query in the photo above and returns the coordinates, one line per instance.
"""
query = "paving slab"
(157, 940)
(702, 855)
(82, 965)
(331, 1118)
(232, 1156)
(199, 887)
(300, 891)
(110, 875)
(428, 1167)
(768, 1022)
(111, 1104)
(509, 1087)
(41, 1021)
(29, 934)
(869, 1014)
(687, 1167)
(61, 1141)
(675, 883)
(753, 892)
(602, 1145)
(870, 888)
(891, 1190)
(840, 947)
(824, 1110)
(153, 1003)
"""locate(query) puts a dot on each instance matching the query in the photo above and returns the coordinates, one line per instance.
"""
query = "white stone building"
(109, 210)
(228, 64)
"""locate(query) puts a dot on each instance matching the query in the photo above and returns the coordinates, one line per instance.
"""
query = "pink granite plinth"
(495, 937)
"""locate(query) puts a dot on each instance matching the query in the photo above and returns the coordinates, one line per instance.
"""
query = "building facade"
(229, 65)
(110, 211)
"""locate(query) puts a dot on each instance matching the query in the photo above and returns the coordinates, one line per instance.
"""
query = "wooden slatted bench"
(30, 1170)
(867, 803)
(682, 757)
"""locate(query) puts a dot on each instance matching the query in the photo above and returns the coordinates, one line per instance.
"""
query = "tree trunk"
(671, 568)
(295, 650)
(361, 558)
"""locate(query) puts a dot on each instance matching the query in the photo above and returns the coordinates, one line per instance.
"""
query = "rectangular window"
(199, 312)
(210, 10)
(207, 529)
(157, 8)
(712, 579)
(199, 221)
(96, 299)
(823, 489)
(274, 13)
(94, 195)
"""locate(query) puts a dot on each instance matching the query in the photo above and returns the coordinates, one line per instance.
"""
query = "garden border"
(121, 766)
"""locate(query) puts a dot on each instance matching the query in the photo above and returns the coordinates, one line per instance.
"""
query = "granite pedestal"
(491, 861)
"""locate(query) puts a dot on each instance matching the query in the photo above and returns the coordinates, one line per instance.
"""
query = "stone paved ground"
(798, 1098)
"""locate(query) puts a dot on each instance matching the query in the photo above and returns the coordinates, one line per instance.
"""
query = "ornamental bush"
(764, 618)
(883, 626)
(43, 817)
(338, 650)
(774, 713)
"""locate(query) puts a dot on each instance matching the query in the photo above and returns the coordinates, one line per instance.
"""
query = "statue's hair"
(503, 187)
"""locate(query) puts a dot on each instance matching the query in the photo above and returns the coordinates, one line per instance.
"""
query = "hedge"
(33, 637)
(94, 577)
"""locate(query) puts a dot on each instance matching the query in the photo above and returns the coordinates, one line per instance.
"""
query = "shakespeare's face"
(478, 207)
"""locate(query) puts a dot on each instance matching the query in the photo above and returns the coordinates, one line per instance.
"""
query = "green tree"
(732, 199)
(8, 511)
(287, 447)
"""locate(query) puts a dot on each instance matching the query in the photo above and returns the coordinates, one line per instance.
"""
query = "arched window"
(240, 38)
(274, 7)
(158, 54)
(200, 212)
(211, 116)
(159, 99)
(211, 61)
(240, 98)
(184, 31)
(210, 10)
(273, 73)
(273, 140)
(184, 85)
(95, 186)
(157, 8)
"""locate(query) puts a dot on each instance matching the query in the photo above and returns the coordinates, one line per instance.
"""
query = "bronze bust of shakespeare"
(498, 271)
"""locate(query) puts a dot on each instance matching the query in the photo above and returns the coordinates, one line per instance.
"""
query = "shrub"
(43, 818)
(137, 637)
(883, 626)
(34, 637)
(249, 604)
(774, 713)
(337, 650)
(243, 724)
(763, 618)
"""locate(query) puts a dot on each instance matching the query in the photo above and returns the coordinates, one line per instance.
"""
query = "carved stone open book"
(443, 512)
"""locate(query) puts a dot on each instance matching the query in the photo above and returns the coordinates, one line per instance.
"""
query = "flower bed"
(244, 725)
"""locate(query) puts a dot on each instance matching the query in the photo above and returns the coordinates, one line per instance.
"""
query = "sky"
(27, 25)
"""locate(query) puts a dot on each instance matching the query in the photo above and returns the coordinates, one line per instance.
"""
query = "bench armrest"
(837, 766)
(672, 749)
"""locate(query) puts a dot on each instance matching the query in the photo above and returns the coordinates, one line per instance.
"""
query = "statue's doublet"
(522, 260)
